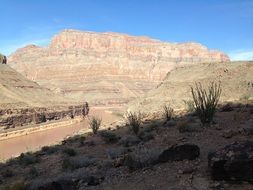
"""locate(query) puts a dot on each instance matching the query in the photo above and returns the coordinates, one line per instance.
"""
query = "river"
(32, 142)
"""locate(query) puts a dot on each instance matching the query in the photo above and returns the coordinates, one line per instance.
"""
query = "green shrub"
(95, 123)
(69, 151)
(167, 112)
(134, 121)
(205, 101)
(109, 137)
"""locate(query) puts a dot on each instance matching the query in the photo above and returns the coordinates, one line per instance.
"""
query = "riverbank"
(14, 142)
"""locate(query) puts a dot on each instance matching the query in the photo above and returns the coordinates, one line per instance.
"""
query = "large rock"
(233, 162)
(179, 153)
(115, 67)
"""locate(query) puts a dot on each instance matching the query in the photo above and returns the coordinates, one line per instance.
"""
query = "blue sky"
(226, 25)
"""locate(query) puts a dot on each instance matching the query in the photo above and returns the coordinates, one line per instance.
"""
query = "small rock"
(200, 183)
(230, 133)
(170, 123)
(226, 108)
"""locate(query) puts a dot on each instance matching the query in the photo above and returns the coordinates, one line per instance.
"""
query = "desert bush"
(7, 173)
(78, 162)
(167, 112)
(27, 159)
(183, 126)
(33, 172)
(129, 140)
(205, 101)
(142, 157)
(17, 185)
(146, 136)
(116, 152)
(245, 98)
(109, 137)
(50, 149)
(134, 121)
(69, 151)
(151, 127)
(95, 123)
(189, 105)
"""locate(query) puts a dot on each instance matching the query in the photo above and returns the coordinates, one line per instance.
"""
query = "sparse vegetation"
(245, 98)
(69, 151)
(78, 162)
(33, 172)
(17, 185)
(109, 137)
(189, 105)
(151, 127)
(95, 123)
(183, 126)
(27, 159)
(134, 121)
(205, 101)
(167, 112)
(50, 149)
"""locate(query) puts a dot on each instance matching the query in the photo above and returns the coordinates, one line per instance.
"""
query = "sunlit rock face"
(106, 68)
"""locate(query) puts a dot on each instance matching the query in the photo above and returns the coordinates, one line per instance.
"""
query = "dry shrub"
(206, 100)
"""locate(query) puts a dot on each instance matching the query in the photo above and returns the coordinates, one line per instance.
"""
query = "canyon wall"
(106, 68)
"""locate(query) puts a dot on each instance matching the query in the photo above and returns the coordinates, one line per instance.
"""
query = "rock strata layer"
(106, 68)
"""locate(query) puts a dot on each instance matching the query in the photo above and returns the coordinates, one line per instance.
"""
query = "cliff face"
(106, 68)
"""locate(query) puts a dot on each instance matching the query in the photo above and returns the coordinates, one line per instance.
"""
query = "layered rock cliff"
(106, 68)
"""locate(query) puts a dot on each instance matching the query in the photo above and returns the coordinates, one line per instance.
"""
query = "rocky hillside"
(23, 102)
(18, 92)
(105, 68)
(236, 81)
(173, 155)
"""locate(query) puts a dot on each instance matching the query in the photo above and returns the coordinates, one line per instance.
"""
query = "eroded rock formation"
(106, 68)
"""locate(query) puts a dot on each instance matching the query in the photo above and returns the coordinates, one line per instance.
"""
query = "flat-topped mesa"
(106, 68)
(132, 46)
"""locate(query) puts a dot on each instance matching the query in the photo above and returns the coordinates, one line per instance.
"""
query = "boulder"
(233, 162)
(179, 153)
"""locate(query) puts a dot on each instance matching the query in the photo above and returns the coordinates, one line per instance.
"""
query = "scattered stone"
(200, 183)
(170, 123)
(233, 162)
(248, 131)
(230, 133)
(227, 108)
(180, 152)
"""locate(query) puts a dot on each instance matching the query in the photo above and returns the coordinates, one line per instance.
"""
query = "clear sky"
(226, 25)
